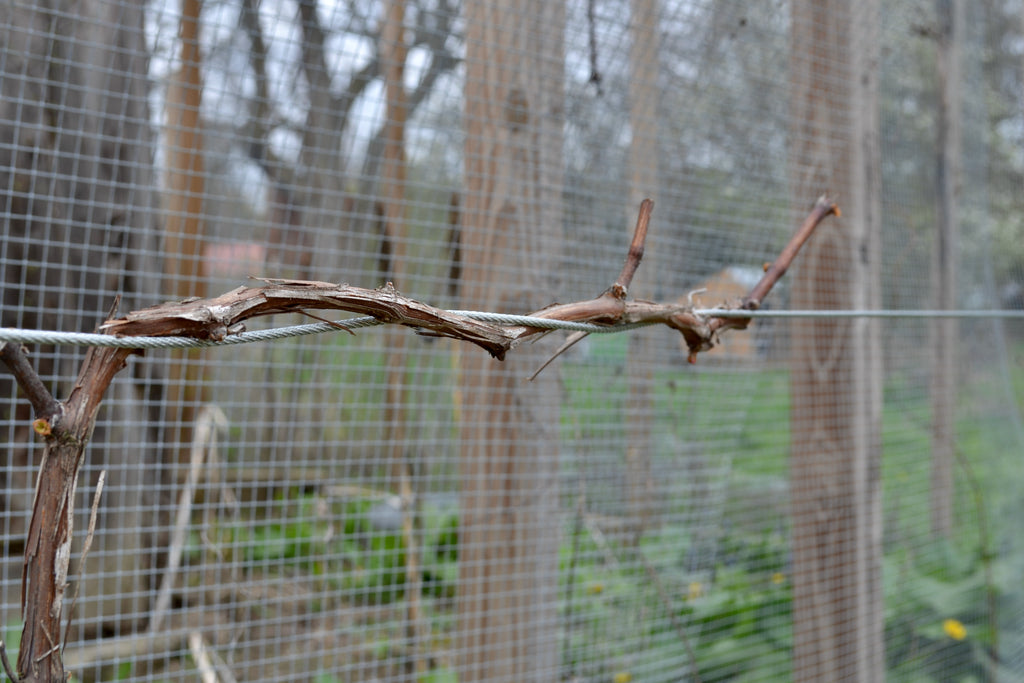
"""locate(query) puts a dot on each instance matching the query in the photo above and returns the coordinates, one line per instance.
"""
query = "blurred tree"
(1003, 68)
(643, 158)
(184, 226)
(511, 240)
(394, 264)
(945, 265)
(319, 215)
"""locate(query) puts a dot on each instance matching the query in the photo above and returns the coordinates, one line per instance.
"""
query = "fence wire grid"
(830, 497)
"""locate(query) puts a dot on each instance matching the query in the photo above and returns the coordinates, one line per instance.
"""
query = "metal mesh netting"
(815, 499)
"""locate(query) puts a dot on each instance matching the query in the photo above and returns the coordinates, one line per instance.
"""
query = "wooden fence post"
(836, 373)
(511, 234)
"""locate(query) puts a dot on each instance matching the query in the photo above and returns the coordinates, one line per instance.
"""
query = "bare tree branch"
(218, 317)
(823, 208)
(314, 64)
(43, 403)
(620, 289)
(636, 252)
(11, 674)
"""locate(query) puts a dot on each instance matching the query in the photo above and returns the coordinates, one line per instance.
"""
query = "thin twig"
(86, 545)
(210, 418)
(595, 72)
(823, 208)
(207, 672)
(570, 342)
(7, 663)
(636, 251)
(329, 322)
(224, 672)
(620, 288)
(54, 648)
(138, 645)
(43, 402)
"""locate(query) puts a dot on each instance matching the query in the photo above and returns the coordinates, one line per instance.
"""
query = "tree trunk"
(836, 380)
(511, 234)
(339, 242)
(184, 265)
(643, 167)
(77, 227)
(945, 331)
(393, 51)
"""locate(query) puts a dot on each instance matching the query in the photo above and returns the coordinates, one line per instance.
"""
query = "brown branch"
(700, 332)
(7, 664)
(571, 341)
(620, 288)
(822, 209)
(86, 546)
(67, 427)
(636, 251)
(43, 403)
(218, 317)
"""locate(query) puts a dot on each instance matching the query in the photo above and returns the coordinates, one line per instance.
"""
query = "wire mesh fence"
(823, 498)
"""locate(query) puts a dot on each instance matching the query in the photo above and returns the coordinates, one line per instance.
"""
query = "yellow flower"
(695, 590)
(622, 677)
(954, 629)
(595, 588)
(778, 578)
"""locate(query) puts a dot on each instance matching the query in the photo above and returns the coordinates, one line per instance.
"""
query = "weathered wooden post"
(836, 371)
(511, 232)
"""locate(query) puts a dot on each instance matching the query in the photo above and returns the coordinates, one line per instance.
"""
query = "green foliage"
(441, 675)
(12, 639)
(739, 620)
(745, 621)
(377, 569)
(735, 617)
(326, 678)
(938, 626)
(943, 598)
(340, 541)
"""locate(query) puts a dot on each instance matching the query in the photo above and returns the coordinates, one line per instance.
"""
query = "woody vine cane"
(66, 426)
